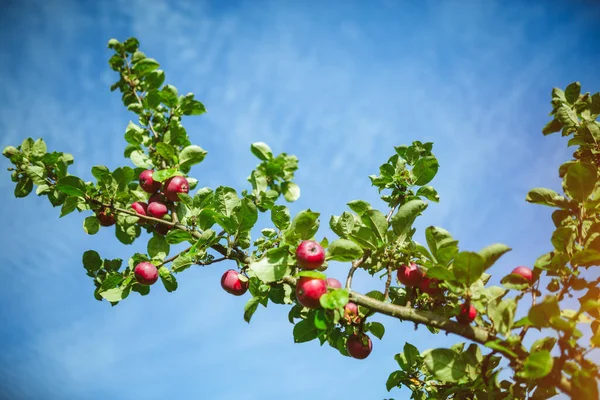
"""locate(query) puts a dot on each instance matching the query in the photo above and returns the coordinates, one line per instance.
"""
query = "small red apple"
(157, 209)
(410, 275)
(231, 282)
(524, 272)
(162, 229)
(157, 197)
(430, 286)
(310, 254)
(148, 184)
(466, 316)
(334, 283)
(106, 217)
(351, 313)
(146, 273)
(359, 346)
(175, 185)
(309, 291)
(141, 208)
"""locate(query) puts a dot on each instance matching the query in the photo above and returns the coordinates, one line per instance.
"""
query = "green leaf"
(262, 151)
(72, 186)
(394, 380)
(359, 206)
(39, 149)
(552, 126)
(343, 250)
(24, 187)
(146, 65)
(567, 116)
(376, 221)
(91, 225)
(250, 308)
(291, 191)
(468, 267)
(546, 197)
(273, 266)
(226, 200)
(167, 278)
(445, 364)
(425, 170)
(164, 174)
(586, 258)
(537, 365)
(169, 95)
(515, 282)
(158, 248)
(175, 236)
(312, 274)
(166, 151)
(502, 314)
(182, 263)
(563, 238)
(342, 225)
(541, 313)
(335, 299)
(377, 329)
(412, 355)
(441, 273)
(246, 215)
(579, 180)
(280, 215)
(134, 134)
(305, 331)
(191, 155)
(115, 294)
(91, 260)
(572, 92)
(407, 213)
(155, 79)
(69, 206)
(140, 159)
(192, 107)
(305, 224)
(429, 193)
(492, 253)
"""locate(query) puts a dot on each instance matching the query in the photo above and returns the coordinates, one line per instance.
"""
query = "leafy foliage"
(377, 241)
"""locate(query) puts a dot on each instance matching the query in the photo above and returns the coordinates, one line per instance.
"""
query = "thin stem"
(168, 260)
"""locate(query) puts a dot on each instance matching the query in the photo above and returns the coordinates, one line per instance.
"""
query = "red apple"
(106, 217)
(524, 272)
(466, 316)
(146, 273)
(157, 209)
(157, 197)
(351, 313)
(430, 286)
(231, 282)
(175, 185)
(310, 254)
(359, 346)
(309, 291)
(162, 229)
(334, 283)
(141, 208)
(410, 275)
(148, 184)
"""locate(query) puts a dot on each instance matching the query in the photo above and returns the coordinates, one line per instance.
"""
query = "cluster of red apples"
(162, 195)
(412, 276)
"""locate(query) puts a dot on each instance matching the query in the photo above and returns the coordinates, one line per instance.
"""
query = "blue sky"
(336, 83)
